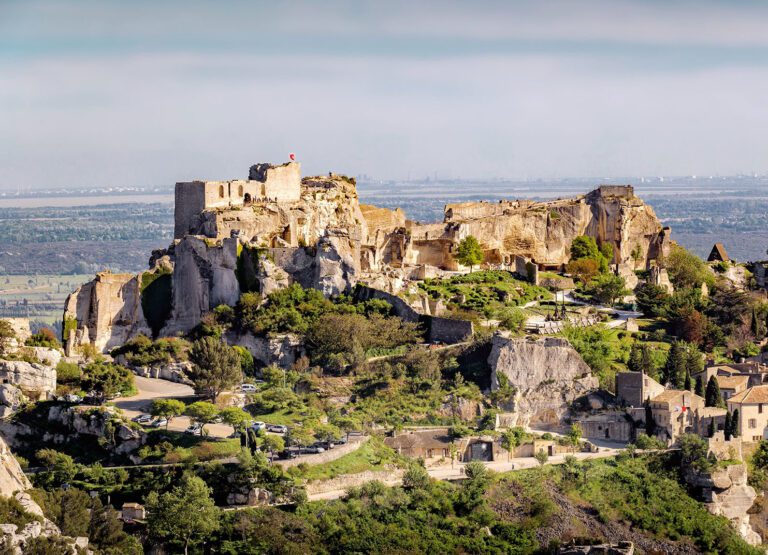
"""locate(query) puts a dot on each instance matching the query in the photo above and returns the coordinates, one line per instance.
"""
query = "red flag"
(292, 156)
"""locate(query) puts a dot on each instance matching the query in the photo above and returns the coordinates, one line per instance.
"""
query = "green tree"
(687, 383)
(203, 413)
(469, 253)
(511, 439)
(735, 423)
(235, 417)
(541, 457)
(728, 427)
(216, 366)
(416, 478)
(634, 363)
(755, 325)
(650, 423)
(167, 408)
(713, 397)
(105, 530)
(184, 516)
(584, 246)
(513, 319)
(694, 453)
(62, 465)
(699, 387)
(583, 269)
(712, 428)
(686, 270)
(606, 288)
(107, 378)
(652, 299)
(273, 444)
(574, 435)
(674, 368)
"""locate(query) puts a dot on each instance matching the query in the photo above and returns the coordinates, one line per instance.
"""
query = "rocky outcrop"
(726, 492)
(547, 374)
(105, 312)
(36, 380)
(281, 350)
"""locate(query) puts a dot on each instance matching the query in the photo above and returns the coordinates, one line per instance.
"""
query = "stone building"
(753, 412)
(613, 426)
(634, 388)
(266, 182)
(675, 413)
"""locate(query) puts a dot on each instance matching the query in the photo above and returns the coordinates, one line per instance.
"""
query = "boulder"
(547, 374)
(31, 378)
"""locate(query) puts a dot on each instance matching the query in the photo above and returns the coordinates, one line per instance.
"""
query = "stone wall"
(346, 481)
(326, 456)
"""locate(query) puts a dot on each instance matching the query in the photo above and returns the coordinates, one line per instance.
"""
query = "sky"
(147, 93)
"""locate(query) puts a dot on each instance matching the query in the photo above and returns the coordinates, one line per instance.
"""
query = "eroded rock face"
(547, 374)
(281, 350)
(107, 312)
(35, 379)
(727, 493)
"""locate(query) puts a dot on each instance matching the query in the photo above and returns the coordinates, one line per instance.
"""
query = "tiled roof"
(732, 382)
(671, 395)
(753, 395)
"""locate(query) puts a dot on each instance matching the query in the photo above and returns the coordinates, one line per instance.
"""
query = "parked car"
(311, 450)
(289, 454)
(143, 419)
(248, 388)
(159, 422)
(258, 426)
(342, 440)
(277, 428)
(71, 398)
(194, 429)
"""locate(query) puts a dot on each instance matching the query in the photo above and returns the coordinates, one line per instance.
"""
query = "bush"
(67, 373)
(44, 338)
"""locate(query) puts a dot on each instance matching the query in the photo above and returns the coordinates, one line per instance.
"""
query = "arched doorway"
(247, 199)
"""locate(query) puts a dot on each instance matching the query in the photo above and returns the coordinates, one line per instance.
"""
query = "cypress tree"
(646, 363)
(699, 387)
(687, 380)
(711, 431)
(693, 362)
(635, 358)
(728, 426)
(754, 324)
(713, 398)
(673, 369)
(735, 423)
(650, 424)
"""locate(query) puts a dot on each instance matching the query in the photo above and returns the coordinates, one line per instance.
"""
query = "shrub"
(67, 373)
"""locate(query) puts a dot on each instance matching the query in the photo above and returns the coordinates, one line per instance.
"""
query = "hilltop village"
(517, 371)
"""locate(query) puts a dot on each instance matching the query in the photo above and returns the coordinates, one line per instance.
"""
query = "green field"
(37, 297)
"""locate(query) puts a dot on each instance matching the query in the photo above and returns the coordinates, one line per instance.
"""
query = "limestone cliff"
(547, 374)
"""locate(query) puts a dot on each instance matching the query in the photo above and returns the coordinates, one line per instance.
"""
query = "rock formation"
(547, 374)
(276, 228)
(726, 492)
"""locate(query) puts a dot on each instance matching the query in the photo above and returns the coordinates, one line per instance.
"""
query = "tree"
(415, 478)
(694, 451)
(513, 319)
(235, 417)
(584, 246)
(274, 444)
(635, 357)
(735, 423)
(469, 253)
(472, 492)
(574, 435)
(650, 423)
(511, 439)
(712, 396)
(583, 269)
(106, 531)
(107, 378)
(652, 299)
(686, 270)
(541, 457)
(755, 325)
(712, 428)
(673, 373)
(203, 413)
(728, 428)
(167, 408)
(62, 465)
(216, 366)
(687, 384)
(186, 515)
(7, 335)
(699, 387)
(606, 288)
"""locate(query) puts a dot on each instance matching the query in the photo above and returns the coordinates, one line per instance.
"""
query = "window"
(221, 191)
(752, 423)
(240, 191)
(760, 408)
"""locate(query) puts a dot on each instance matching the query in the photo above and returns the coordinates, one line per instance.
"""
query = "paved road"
(151, 389)
(456, 472)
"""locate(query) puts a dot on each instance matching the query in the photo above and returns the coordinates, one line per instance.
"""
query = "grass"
(373, 455)
(189, 448)
(285, 417)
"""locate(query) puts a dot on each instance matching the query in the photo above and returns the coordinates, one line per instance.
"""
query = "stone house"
(753, 412)
(704, 418)
(131, 512)
(674, 413)
(430, 445)
(614, 426)
(634, 388)
(731, 385)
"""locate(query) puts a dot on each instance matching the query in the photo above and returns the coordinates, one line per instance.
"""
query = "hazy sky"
(151, 92)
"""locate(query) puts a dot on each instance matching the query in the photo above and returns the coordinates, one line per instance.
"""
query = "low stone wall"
(347, 481)
(327, 456)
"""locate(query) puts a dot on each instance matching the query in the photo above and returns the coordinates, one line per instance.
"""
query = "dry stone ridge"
(277, 228)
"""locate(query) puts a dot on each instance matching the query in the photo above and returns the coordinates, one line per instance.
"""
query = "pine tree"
(711, 432)
(674, 365)
(699, 387)
(713, 398)
(735, 423)
(728, 426)
(693, 360)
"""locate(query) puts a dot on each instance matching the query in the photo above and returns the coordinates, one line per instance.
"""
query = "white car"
(159, 422)
(248, 388)
(194, 429)
(259, 426)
